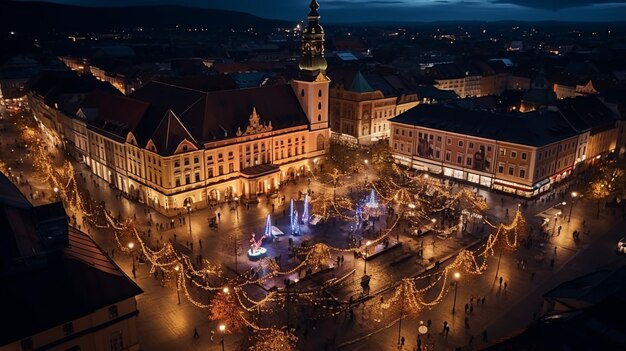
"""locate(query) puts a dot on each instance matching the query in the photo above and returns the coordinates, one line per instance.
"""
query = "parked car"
(621, 245)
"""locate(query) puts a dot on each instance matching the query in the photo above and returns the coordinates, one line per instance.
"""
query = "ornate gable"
(254, 125)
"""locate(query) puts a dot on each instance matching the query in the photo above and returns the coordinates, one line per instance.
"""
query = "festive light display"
(225, 308)
(406, 298)
(296, 226)
(268, 227)
(256, 250)
(424, 196)
(305, 211)
(274, 340)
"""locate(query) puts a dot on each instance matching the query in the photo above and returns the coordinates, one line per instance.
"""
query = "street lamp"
(457, 275)
(422, 329)
(130, 248)
(571, 206)
(237, 207)
(188, 206)
(56, 191)
(556, 218)
(365, 161)
(223, 331)
(367, 244)
(401, 315)
(289, 284)
(177, 268)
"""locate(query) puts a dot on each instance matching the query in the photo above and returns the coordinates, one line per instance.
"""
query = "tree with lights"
(274, 340)
(225, 308)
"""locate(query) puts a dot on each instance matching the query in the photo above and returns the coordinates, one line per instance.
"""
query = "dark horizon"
(401, 11)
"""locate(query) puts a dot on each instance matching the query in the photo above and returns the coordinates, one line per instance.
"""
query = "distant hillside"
(41, 17)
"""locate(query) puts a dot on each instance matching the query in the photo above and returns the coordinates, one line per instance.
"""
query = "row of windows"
(421, 135)
(511, 171)
(186, 161)
(523, 155)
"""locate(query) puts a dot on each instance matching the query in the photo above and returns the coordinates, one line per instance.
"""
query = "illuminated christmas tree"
(268, 227)
(305, 211)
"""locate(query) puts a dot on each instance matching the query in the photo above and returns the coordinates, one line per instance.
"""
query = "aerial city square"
(313, 175)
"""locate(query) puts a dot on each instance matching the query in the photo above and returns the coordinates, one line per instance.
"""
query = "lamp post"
(571, 206)
(223, 331)
(188, 206)
(401, 315)
(237, 207)
(177, 268)
(236, 256)
(130, 248)
(367, 244)
(556, 218)
(289, 284)
(422, 330)
(56, 191)
(457, 275)
(499, 260)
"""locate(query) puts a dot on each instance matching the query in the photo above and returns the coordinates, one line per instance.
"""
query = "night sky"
(406, 10)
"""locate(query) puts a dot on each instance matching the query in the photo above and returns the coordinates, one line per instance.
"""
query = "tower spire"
(312, 62)
(314, 6)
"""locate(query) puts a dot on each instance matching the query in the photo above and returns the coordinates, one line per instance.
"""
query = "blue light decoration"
(295, 227)
(358, 214)
(291, 209)
(305, 211)
(268, 227)
(293, 217)
(372, 202)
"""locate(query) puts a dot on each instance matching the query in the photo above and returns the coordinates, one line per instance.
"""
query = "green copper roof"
(359, 84)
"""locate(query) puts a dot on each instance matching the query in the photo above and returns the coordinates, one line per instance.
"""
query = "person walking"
(445, 326)
(500, 281)
(195, 334)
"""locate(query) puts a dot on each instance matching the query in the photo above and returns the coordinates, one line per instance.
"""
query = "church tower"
(312, 84)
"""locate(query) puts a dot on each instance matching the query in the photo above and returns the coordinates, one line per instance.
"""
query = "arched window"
(319, 93)
(319, 105)
(302, 92)
(319, 118)
(320, 142)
